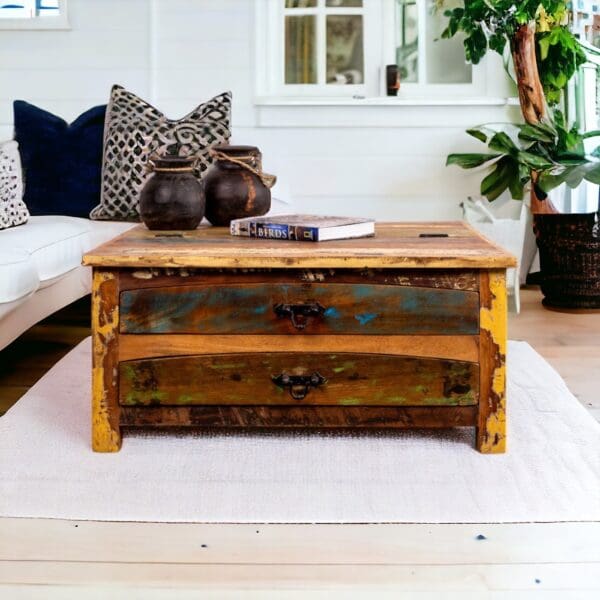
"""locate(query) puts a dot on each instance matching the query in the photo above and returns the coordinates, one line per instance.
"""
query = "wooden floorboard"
(34, 353)
(375, 544)
(165, 560)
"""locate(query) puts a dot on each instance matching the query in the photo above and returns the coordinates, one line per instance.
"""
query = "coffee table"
(198, 328)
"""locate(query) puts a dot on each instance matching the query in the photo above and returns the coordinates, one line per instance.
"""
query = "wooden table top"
(395, 245)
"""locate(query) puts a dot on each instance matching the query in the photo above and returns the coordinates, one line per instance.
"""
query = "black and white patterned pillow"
(134, 130)
(12, 208)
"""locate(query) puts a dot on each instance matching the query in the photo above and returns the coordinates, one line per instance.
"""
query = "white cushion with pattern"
(12, 208)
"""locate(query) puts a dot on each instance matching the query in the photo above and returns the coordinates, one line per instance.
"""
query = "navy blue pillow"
(62, 163)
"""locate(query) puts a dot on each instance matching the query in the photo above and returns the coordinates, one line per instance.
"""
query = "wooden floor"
(570, 342)
(59, 559)
(24, 361)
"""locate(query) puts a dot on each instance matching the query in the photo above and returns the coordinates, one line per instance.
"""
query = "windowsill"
(383, 101)
(60, 23)
(377, 112)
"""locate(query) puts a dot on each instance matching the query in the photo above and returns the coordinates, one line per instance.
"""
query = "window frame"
(60, 22)
(379, 50)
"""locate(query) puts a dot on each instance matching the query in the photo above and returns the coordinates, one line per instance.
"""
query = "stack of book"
(303, 228)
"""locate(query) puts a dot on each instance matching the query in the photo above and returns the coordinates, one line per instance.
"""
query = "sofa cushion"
(62, 163)
(12, 208)
(103, 231)
(135, 130)
(18, 275)
(55, 244)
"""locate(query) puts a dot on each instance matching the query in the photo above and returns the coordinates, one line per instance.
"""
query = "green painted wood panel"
(247, 379)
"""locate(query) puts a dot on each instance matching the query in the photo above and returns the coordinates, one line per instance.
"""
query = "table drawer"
(299, 308)
(283, 378)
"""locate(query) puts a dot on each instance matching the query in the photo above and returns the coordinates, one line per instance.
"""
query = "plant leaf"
(536, 133)
(482, 132)
(590, 134)
(534, 161)
(500, 178)
(544, 46)
(469, 161)
(475, 45)
(571, 158)
(572, 175)
(548, 181)
(592, 172)
(516, 183)
(501, 142)
(497, 42)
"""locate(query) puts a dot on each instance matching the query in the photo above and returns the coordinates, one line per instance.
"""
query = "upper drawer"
(309, 308)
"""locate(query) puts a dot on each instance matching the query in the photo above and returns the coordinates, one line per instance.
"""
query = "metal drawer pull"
(299, 313)
(299, 385)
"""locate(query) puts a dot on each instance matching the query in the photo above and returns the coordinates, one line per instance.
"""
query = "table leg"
(106, 434)
(491, 426)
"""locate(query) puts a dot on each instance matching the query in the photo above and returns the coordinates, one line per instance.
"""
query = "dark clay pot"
(233, 192)
(172, 198)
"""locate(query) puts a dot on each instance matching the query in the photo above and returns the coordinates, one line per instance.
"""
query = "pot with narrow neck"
(172, 197)
(235, 186)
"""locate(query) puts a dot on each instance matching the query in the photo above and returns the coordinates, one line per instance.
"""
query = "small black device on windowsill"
(392, 78)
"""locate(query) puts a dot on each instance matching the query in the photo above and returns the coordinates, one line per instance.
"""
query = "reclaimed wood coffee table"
(198, 328)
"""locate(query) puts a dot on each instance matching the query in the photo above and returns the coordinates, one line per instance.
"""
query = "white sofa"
(40, 268)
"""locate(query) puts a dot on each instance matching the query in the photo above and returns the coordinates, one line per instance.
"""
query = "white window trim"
(60, 22)
(269, 70)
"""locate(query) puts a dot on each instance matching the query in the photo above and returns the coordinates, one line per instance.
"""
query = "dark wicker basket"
(569, 247)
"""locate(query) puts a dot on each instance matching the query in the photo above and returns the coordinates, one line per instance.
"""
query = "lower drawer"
(282, 378)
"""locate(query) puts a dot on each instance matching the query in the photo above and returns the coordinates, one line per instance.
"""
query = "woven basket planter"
(569, 247)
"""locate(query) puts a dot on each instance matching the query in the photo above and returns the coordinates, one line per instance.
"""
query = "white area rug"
(551, 472)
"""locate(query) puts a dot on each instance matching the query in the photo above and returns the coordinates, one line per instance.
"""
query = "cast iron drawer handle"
(299, 385)
(299, 313)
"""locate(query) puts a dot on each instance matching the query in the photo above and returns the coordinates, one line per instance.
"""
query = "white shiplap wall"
(177, 53)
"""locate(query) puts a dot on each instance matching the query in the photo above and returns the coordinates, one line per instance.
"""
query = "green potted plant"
(543, 152)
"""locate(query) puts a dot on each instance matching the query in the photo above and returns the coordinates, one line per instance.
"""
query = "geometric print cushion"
(135, 130)
(12, 208)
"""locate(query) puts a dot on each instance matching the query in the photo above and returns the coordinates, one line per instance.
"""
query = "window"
(339, 48)
(33, 14)
(418, 53)
(323, 42)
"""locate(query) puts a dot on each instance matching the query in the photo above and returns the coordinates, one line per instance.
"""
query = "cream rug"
(551, 472)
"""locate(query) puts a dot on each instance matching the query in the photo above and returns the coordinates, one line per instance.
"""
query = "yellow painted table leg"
(491, 427)
(106, 435)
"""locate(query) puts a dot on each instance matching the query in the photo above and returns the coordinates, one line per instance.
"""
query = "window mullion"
(422, 42)
(31, 8)
(321, 45)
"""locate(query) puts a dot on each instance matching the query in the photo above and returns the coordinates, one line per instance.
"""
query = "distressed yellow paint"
(104, 437)
(493, 319)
